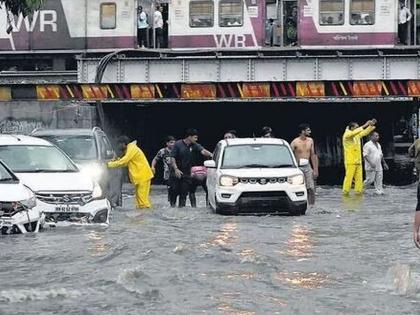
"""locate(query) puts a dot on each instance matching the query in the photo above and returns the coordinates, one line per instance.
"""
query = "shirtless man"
(303, 147)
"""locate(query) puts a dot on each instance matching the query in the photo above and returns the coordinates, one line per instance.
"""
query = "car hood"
(261, 172)
(56, 181)
(10, 192)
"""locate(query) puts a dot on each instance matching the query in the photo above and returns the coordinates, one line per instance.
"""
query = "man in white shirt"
(404, 17)
(158, 24)
(372, 154)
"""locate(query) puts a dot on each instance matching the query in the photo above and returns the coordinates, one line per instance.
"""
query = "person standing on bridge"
(182, 162)
(404, 16)
(304, 149)
(142, 27)
(158, 25)
(374, 159)
(353, 154)
(139, 170)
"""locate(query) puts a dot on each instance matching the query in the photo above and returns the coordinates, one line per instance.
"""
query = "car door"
(212, 175)
(114, 177)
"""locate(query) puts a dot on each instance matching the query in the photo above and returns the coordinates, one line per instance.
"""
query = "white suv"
(17, 202)
(63, 193)
(255, 175)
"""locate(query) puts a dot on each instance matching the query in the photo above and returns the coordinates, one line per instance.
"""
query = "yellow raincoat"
(139, 172)
(353, 158)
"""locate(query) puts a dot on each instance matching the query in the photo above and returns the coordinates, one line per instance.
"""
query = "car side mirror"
(110, 154)
(210, 164)
(303, 162)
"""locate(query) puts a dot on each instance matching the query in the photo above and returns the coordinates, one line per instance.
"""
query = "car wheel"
(303, 209)
(218, 209)
(298, 210)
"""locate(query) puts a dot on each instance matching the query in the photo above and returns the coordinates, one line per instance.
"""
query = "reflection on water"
(303, 280)
(352, 202)
(97, 246)
(227, 308)
(299, 244)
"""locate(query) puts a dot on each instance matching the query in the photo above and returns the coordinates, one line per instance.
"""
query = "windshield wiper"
(10, 179)
(52, 171)
(282, 166)
(254, 166)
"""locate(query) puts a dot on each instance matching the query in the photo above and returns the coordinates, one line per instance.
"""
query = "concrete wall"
(24, 116)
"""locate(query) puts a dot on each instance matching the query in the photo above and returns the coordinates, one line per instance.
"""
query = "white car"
(17, 202)
(255, 175)
(63, 193)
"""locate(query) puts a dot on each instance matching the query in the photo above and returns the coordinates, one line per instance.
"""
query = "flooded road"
(351, 256)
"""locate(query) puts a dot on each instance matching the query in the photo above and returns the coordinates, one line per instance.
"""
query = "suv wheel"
(298, 210)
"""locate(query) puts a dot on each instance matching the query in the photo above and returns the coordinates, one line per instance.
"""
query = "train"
(204, 24)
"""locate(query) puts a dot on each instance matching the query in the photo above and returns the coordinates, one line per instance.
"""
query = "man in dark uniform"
(182, 160)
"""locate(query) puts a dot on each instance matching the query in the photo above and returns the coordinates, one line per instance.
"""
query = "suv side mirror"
(210, 164)
(110, 154)
(303, 162)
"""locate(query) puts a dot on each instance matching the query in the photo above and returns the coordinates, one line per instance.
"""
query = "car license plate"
(67, 208)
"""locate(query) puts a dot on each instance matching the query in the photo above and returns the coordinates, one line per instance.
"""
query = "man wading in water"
(303, 147)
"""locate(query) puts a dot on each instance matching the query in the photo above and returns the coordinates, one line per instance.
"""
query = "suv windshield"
(36, 158)
(257, 156)
(76, 147)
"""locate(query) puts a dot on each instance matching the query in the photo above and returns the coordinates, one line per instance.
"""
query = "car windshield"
(257, 156)
(5, 175)
(36, 158)
(76, 147)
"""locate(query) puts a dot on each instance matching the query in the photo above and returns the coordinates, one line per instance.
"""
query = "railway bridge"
(151, 93)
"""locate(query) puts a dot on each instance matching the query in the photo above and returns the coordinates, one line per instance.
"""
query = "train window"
(231, 13)
(331, 12)
(201, 13)
(362, 12)
(108, 15)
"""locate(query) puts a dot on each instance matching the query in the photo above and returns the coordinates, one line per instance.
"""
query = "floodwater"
(351, 256)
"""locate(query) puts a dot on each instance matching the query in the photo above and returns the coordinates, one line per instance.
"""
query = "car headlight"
(97, 191)
(93, 171)
(28, 203)
(296, 180)
(228, 181)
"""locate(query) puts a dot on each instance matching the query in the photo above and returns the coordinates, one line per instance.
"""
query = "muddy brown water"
(346, 256)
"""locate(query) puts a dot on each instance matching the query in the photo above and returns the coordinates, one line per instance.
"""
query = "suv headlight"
(28, 203)
(93, 171)
(228, 181)
(296, 180)
(97, 191)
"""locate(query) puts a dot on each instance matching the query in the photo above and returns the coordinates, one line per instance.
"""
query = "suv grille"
(79, 198)
(9, 209)
(263, 180)
(264, 194)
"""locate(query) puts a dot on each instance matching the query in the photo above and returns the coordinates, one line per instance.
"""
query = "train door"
(281, 23)
(165, 16)
(289, 22)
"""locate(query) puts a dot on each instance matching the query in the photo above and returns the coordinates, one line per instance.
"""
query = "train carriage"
(351, 23)
(195, 24)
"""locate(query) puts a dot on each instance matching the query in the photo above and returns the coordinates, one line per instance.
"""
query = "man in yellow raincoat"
(139, 170)
(353, 154)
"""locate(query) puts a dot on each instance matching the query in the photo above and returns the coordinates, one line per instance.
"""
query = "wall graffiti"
(19, 126)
